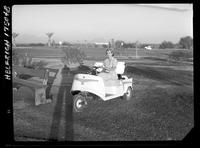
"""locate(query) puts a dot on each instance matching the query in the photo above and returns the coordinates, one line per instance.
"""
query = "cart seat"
(120, 68)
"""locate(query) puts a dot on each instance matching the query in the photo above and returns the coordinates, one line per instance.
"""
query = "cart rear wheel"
(128, 94)
(79, 103)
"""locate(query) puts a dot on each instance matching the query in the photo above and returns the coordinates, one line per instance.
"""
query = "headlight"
(99, 69)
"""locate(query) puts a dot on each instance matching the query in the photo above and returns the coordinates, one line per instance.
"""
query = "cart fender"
(128, 82)
(88, 83)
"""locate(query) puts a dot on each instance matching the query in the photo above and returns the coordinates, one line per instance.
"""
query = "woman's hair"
(111, 50)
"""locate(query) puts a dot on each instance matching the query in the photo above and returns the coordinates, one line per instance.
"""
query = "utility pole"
(122, 45)
(136, 46)
(113, 43)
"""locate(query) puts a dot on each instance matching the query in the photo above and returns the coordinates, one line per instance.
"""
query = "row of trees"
(184, 43)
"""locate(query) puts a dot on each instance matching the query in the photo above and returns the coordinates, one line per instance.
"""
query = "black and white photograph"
(101, 72)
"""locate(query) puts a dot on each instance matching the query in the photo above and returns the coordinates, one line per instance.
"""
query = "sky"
(146, 23)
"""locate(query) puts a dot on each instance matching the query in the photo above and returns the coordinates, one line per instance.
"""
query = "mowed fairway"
(161, 107)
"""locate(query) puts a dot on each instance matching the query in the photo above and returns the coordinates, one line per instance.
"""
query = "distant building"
(97, 44)
(101, 43)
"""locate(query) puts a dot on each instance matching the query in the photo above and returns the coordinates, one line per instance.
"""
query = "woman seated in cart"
(110, 64)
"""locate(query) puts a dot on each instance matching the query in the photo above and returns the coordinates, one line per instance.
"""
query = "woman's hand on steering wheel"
(106, 70)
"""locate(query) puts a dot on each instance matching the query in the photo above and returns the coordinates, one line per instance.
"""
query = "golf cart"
(88, 86)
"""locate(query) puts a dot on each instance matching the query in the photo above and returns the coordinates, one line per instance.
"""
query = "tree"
(129, 45)
(14, 35)
(112, 43)
(143, 45)
(53, 43)
(49, 36)
(105, 46)
(118, 43)
(166, 44)
(72, 55)
(65, 43)
(15, 59)
(109, 45)
(186, 42)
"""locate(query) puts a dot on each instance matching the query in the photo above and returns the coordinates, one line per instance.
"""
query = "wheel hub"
(79, 103)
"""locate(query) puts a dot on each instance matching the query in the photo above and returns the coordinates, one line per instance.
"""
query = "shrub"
(117, 53)
(166, 44)
(26, 61)
(36, 65)
(181, 55)
(73, 55)
(18, 59)
(186, 42)
(15, 57)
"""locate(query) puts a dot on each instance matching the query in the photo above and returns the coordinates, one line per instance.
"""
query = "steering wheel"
(106, 70)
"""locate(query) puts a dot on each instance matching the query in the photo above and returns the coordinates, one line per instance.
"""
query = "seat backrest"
(120, 67)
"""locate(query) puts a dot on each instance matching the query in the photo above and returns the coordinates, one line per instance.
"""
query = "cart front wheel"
(128, 94)
(79, 103)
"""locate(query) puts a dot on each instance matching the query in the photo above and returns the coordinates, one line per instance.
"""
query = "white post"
(136, 50)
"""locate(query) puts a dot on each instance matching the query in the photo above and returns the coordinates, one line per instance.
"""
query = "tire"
(129, 93)
(79, 103)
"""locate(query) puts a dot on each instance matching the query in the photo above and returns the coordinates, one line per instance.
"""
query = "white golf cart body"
(96, 85)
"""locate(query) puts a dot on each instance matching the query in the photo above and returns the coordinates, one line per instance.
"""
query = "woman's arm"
(106, 66)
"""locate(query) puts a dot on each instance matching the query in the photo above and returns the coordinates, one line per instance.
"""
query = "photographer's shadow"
(63, 109)
(64, 105)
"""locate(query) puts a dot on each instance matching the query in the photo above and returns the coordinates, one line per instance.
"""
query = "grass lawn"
(161, 107)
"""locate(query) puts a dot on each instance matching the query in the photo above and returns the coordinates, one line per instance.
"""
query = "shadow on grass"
(154, 58)
(81, 69)
(64, 98)
(166, 75)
